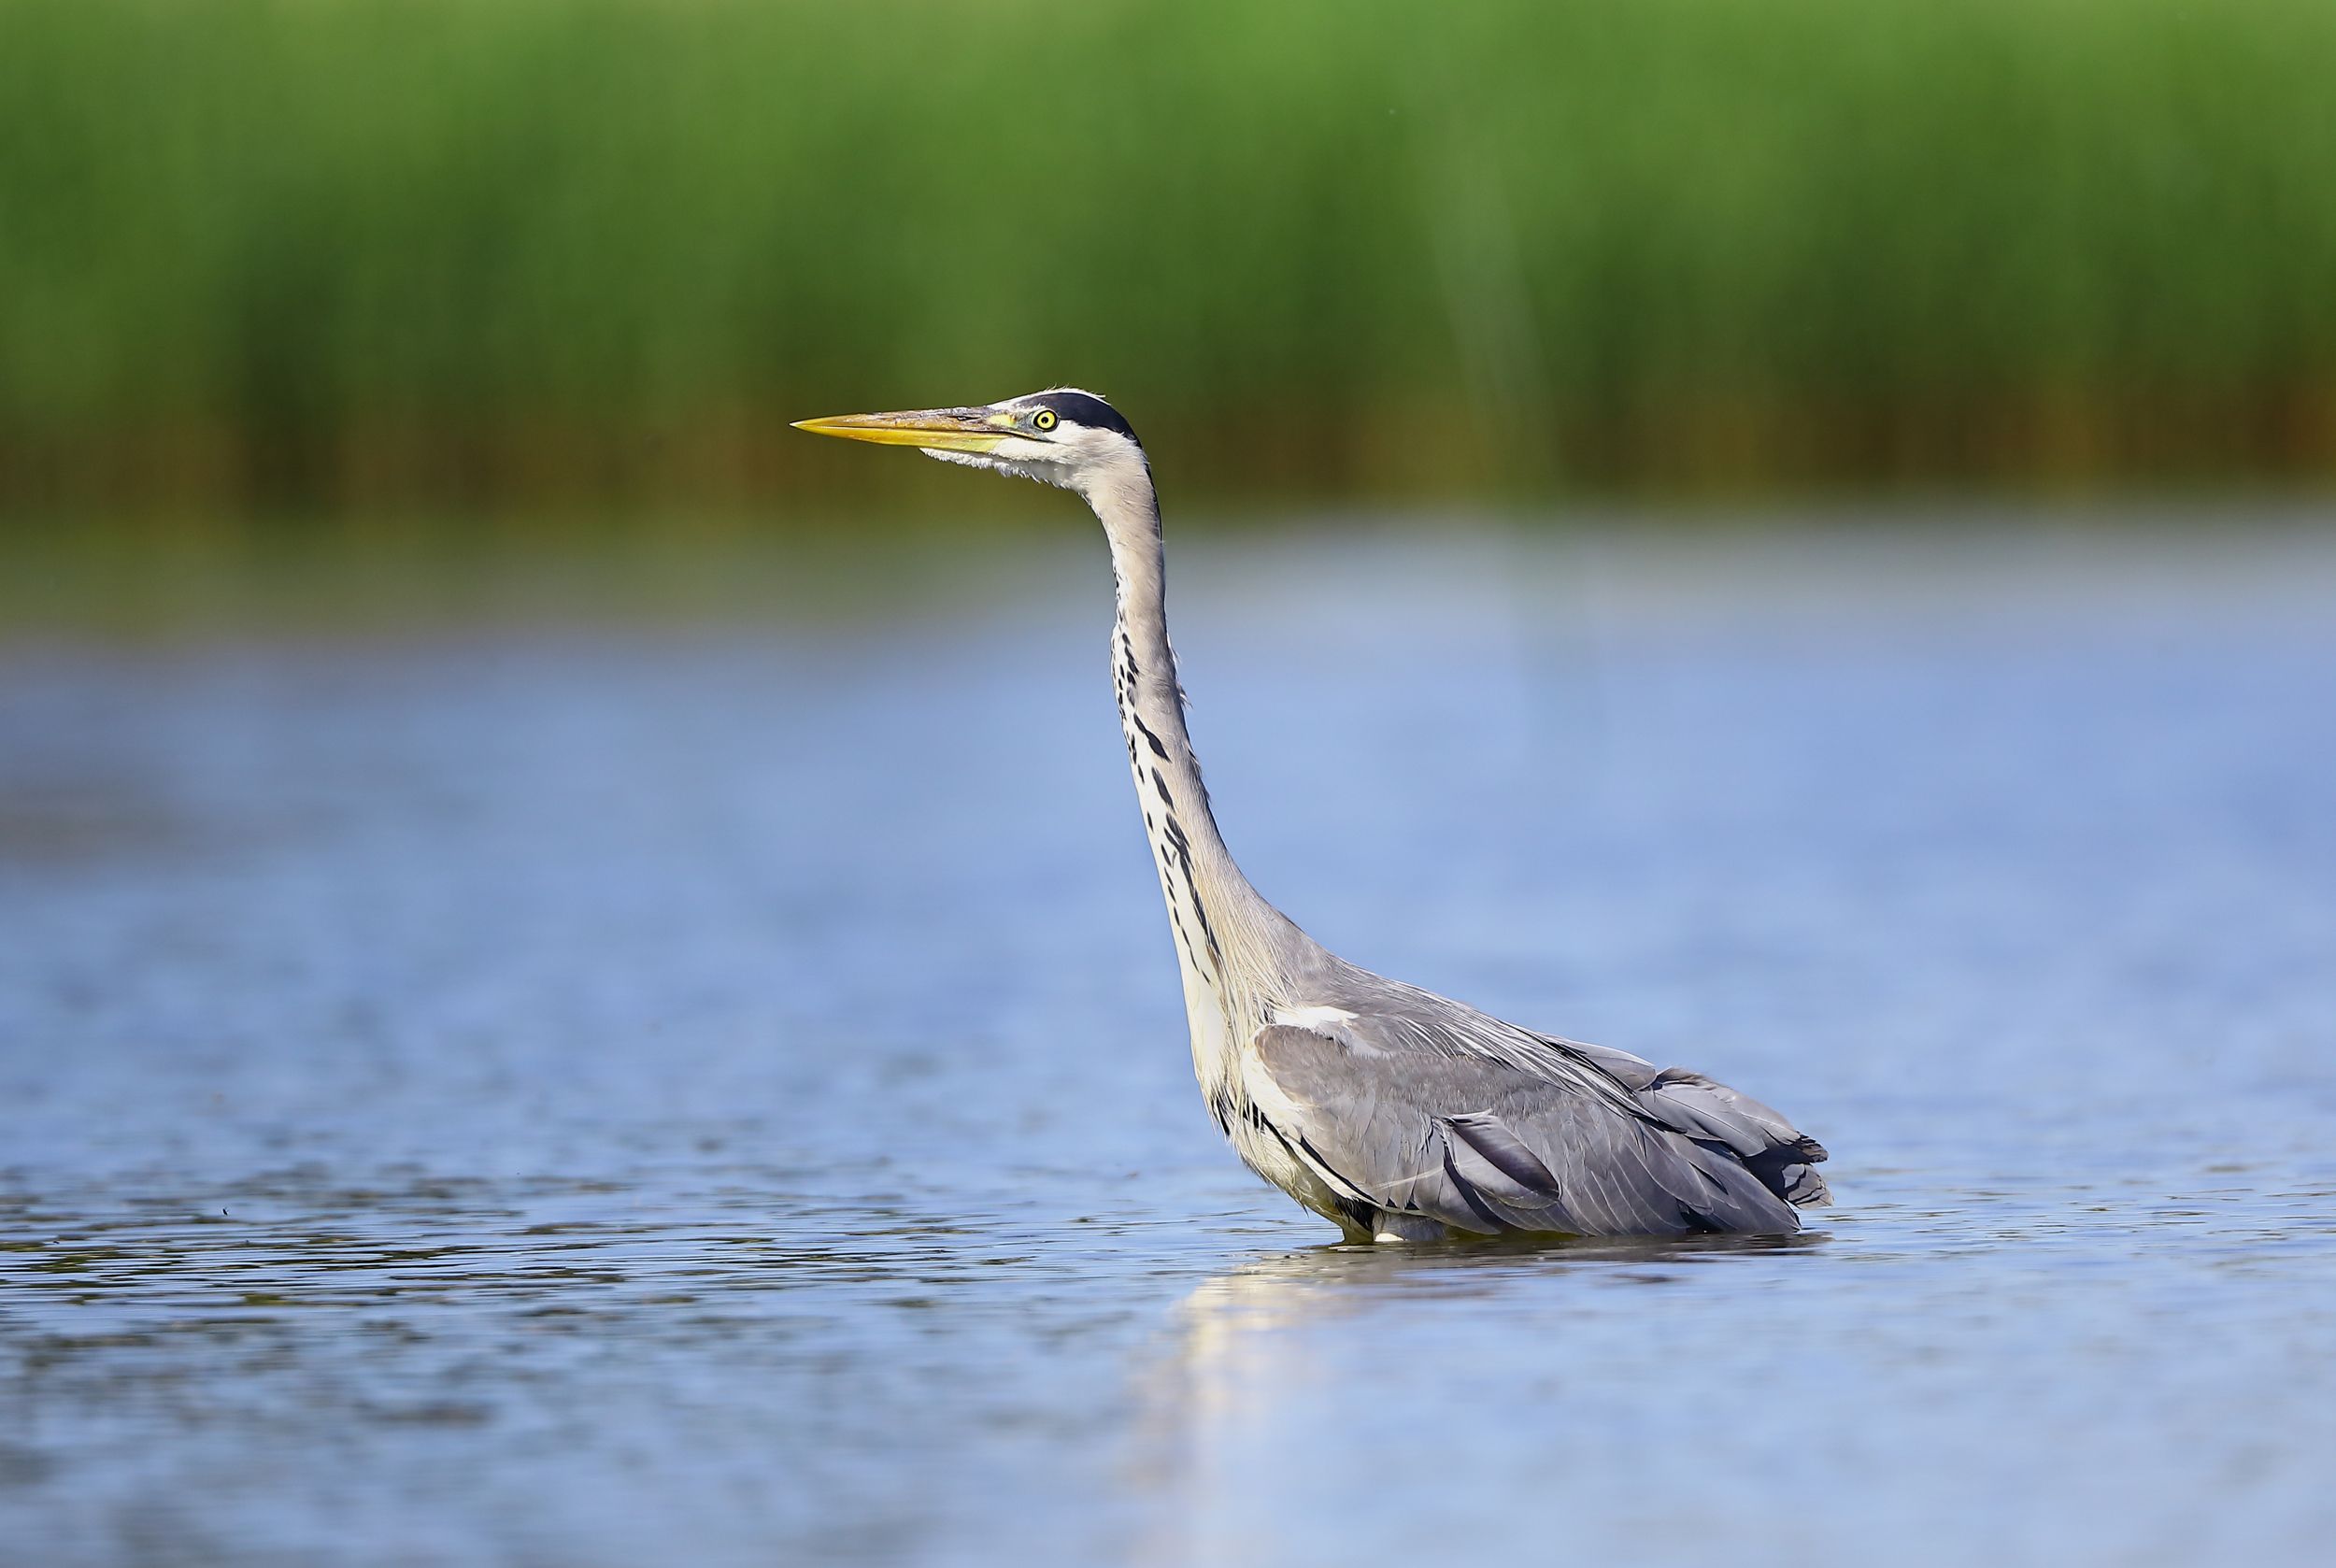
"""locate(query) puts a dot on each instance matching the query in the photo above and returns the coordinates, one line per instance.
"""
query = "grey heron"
(1397, 1114)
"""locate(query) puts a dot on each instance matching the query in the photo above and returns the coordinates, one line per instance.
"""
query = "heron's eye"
(1043, 420)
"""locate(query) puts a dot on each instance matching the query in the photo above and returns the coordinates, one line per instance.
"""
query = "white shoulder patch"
(1312, 1017)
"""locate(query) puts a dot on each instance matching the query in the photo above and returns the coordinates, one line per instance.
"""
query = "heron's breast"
(1265, 1153)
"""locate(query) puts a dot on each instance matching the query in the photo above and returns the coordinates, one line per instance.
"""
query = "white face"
(1041, 444)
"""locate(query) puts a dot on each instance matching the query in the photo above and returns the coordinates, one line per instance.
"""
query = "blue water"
(613, 1094)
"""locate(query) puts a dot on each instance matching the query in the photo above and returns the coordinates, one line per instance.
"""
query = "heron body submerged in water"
(1397, 1114)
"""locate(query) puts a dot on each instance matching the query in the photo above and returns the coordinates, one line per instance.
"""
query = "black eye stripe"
(1084, 409)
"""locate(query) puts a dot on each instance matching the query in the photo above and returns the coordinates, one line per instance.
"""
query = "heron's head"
(1061, 436)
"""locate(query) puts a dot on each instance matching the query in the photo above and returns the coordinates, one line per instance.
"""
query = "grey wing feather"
(1770, 1148)
(1773, 1147)
(1487, 1129)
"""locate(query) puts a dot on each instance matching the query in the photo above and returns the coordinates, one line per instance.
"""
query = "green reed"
(312, 252)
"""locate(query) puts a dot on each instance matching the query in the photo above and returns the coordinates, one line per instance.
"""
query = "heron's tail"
(1782, 1156)
(1788, 1170)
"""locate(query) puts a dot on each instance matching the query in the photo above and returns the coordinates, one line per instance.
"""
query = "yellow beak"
(944, 430)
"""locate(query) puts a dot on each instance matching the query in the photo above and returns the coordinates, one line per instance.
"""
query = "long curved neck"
(1228, 937)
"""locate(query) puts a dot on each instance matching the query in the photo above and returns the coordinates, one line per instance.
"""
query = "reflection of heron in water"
(1399, 1114)
(1263, 1365)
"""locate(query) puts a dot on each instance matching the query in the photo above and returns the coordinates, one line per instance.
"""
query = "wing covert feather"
(1428, 1123)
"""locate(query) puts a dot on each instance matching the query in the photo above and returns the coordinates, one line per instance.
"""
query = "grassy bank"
(341, 252)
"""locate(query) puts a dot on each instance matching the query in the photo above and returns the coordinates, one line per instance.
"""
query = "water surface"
(605, 1095)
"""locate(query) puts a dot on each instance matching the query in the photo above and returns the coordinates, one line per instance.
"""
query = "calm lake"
(624, 1091)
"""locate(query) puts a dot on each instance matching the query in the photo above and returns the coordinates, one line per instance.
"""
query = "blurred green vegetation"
(322, 255)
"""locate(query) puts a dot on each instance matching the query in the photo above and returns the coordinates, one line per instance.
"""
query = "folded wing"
(1524, 1133)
